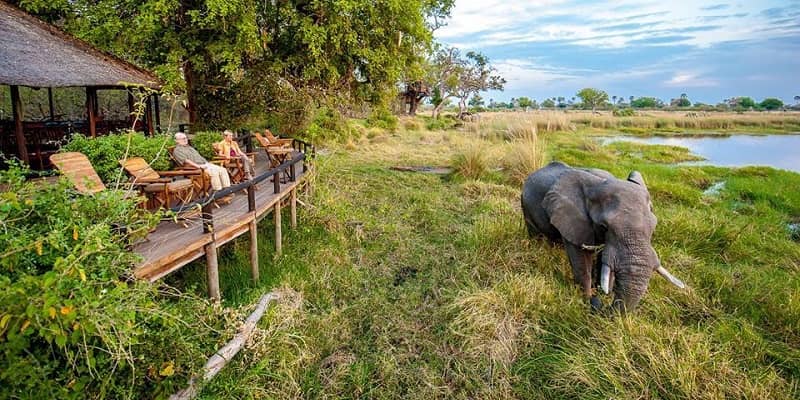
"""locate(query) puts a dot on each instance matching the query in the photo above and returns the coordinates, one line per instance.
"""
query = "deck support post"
(19, 134)
(254, 250)
(278, 238)
(50, 104)
(276, 182)
(293, 207)
(91, 110)
(212, 271)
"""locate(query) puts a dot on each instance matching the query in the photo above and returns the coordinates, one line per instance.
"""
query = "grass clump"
(471, 162)
(523, 156)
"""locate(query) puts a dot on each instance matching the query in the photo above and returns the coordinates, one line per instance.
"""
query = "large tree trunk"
(191, 92)
(414, 103)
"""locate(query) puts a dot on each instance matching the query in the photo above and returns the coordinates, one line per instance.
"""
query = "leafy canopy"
(592, 97)
(240, 58)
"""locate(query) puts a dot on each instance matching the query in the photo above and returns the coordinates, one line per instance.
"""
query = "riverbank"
(419, 285)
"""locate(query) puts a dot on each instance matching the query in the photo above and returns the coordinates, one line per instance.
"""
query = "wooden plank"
(172, 246)
(155, 275)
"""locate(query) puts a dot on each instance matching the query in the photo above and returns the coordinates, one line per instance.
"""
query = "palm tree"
(614, 99)
(631, 99)
(797, 99)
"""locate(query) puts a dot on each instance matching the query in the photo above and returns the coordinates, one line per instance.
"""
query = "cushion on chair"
(171, 186)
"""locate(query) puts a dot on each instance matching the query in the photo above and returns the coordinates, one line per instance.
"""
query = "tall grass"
(471, 162)
(552, 121)
(417, 286)
(524, 154)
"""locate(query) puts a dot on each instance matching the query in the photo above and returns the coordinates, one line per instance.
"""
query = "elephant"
(594, 213)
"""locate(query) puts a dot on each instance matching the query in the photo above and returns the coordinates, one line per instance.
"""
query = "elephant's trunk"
(631, 262)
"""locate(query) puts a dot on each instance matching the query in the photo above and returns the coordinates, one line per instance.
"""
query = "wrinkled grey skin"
(590, 207)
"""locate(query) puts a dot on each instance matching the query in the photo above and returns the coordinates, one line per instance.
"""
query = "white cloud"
(497, 23)
(688, 80)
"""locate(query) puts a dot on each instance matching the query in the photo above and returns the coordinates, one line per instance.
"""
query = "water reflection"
(778, 151)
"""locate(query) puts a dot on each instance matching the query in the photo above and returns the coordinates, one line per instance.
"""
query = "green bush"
(202, 141)
(73, 323)
(624, 112)
(327, 124)
(381, 117)
(105, 152)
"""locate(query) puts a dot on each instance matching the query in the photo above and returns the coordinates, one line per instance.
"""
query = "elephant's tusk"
(675, 281)
(605, 278)
(595, 249)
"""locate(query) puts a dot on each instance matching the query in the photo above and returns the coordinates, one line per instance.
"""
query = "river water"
(777, 151)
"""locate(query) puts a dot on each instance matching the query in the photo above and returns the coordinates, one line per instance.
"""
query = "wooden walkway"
(173, 245)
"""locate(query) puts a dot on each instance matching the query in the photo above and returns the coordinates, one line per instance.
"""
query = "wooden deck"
(173, 245)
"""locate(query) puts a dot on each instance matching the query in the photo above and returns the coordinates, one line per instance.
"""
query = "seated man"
(228, 148)
(187, 155)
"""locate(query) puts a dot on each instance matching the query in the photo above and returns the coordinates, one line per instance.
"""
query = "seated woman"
(228, 149)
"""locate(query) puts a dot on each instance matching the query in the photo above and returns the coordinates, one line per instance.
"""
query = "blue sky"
(709, 50)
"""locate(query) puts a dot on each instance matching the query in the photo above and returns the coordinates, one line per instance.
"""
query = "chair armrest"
(149, 181)
(183, 172)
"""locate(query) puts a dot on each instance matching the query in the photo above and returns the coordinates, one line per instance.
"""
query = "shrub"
(624, 112)
(381, 117)
(327, 124)
(73, 323)
(203, 141)
(105, 152)
(411, 124)
(471, 162)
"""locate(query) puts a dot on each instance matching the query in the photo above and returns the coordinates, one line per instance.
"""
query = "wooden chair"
(160, 187)
(277, 152)
(266, 143)
(276, 140)
(77, 168)
(235, 166)
(201, 181)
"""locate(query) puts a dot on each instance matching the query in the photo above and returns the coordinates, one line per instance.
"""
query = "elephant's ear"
(565, 203)
(637, 178)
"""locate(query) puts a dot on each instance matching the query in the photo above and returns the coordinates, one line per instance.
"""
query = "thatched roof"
(37, 54)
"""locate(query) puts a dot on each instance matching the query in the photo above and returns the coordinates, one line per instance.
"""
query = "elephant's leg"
(581, 261)
(532, 231)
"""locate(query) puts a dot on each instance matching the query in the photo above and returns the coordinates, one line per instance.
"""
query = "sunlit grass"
(425, 286)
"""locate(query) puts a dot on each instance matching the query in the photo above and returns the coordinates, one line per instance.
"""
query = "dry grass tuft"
(524, 155)
(492, 322)
(472, 162)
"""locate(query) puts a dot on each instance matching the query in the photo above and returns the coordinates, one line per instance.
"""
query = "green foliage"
(235, 54)
(524, 102)
(328, 125)
(744, 103)
(105, 152)
(381, 117)
(645, 102)
(771, 103)
(624, 112)
(72, 324)
(203, 141)
(592, 97)
(548, 103)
